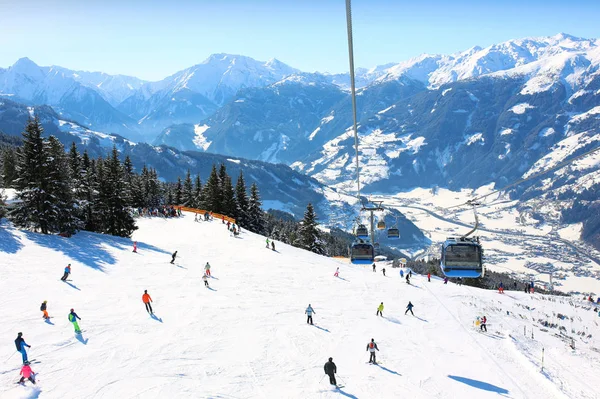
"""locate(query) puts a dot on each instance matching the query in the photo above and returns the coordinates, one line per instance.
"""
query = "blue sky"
(153, 39)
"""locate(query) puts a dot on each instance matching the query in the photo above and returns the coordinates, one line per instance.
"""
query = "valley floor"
(246, 336)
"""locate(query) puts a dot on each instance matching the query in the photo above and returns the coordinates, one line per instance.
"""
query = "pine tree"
(61, 188)
(241, 201)
(75, 171)
(211, 193)
(116, 218)
(178, 192)
(309, 237)
(34, 210)
(229, 207)
(88, 194)
(197, 192)
(187, 196)
(128, 178)
(256, 217)
(151, 186)
(169, 193)
(9, 167)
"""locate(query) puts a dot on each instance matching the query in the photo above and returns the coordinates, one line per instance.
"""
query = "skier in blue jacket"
(309, 312)
(21, 344)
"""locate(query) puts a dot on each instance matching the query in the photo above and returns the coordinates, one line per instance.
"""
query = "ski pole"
(321, 378)
(341, 379)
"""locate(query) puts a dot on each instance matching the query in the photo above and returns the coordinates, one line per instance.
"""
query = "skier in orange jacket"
(146, 299)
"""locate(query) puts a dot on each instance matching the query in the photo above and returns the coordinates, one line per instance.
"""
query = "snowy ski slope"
(246, 336)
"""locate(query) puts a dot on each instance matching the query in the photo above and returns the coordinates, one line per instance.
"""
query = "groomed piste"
(246, 336)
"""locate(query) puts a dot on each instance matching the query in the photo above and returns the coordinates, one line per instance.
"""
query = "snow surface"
(246, 336)
(200, 140)
(520, 109)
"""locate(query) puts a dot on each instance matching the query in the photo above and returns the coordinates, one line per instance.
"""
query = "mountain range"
(484, 115)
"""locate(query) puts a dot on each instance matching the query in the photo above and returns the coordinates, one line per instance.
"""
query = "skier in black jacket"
(173, 256)
(330, 370)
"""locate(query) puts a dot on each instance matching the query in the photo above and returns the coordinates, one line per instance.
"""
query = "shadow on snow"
(88, 248)
(386, 369)
(156, 318)
(73, 285)
(479, 384)
(9, 242)
(81, 339)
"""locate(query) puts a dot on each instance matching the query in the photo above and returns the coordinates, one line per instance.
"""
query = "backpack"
(371, 345)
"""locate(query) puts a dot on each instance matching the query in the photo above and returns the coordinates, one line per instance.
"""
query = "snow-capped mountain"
(29, 83)
(197, 92)
(113, 88)
(285, 121)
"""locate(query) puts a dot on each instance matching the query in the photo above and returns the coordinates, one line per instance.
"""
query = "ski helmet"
(45, 301)
(331, 359)
(19, 334)
(72, 310)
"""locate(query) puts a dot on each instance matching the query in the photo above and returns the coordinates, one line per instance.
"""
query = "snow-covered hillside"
(246, 336)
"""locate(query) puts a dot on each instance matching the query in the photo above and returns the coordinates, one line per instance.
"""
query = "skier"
(501, 288)
(383, 270)
(374, 268)
(173, 257)
(73, 319)
(429, 277)
(410, 273)
(372, 347)
(273, 245)
(207, 269)
(195, 217)
(228, 224)
(67, 272)
(267, 243)
(147, 299)
(21, 344)
(44, 311)
(331, 370)
(205, 279)
(410, 306)
(26, 372)
(135, 247)
(379, 310)
(337, 272)
(309, 312)
(460, 282)
(223, 219)
(445, 280)
(401, 273)
(482, 325)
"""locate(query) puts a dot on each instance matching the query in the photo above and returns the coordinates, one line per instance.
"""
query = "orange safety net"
(202, 212)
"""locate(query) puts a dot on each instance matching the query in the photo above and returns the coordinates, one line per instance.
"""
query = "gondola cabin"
(393, 233)
(362, 231)
(381, 225)
(462, 257)
(362, 253)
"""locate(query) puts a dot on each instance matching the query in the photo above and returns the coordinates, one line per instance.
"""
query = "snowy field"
(513, 241)
(247, 337)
